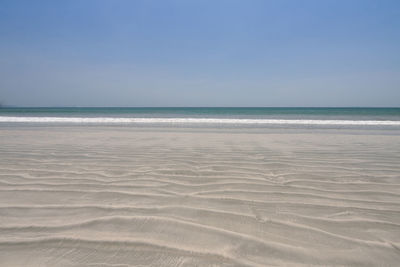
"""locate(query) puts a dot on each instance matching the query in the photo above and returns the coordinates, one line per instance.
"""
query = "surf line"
(110, 120)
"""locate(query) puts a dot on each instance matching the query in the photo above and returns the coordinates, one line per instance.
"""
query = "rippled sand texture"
(94, 196)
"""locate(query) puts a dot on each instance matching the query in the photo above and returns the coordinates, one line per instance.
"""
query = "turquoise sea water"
(383, 117)
(223, 112)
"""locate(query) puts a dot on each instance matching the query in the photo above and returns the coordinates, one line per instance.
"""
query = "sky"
(138, 53)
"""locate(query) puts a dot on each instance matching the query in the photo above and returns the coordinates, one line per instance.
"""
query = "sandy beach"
(125, 196)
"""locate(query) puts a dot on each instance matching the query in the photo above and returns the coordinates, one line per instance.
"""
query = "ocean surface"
(382, 118)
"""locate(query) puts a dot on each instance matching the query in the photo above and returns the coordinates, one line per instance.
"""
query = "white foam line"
(105, 120)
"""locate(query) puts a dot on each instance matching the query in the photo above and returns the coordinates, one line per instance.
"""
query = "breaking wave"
(213, 121)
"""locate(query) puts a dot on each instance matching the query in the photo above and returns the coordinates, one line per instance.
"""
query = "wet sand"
(124, 196)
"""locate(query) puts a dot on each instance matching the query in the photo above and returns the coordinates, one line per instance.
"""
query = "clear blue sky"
(200, 53)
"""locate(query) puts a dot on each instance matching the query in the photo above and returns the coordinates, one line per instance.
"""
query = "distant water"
(246, 117)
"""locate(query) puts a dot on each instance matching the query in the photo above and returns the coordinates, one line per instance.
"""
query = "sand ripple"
(134, 197)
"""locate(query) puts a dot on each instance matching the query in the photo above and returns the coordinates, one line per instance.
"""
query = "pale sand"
(109, 196)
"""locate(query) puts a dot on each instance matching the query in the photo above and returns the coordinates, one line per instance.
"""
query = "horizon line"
(12, 106)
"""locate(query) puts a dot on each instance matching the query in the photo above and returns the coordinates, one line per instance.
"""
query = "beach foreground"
(125, 196)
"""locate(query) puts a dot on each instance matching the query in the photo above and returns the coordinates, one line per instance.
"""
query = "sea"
(224, 117)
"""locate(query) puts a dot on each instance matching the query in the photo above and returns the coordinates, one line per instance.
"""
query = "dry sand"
(109, 196)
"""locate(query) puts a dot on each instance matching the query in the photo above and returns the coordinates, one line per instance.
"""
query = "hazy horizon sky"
(200, 53)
